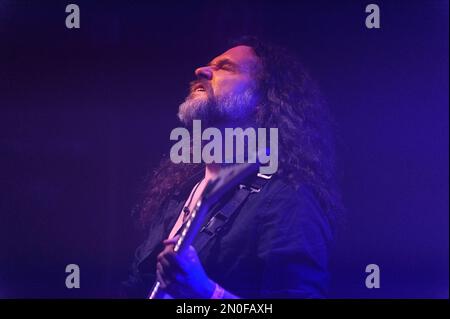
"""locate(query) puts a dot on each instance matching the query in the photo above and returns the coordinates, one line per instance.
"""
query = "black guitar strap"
(217, 222)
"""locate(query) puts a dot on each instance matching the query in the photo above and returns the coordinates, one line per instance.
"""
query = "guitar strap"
(217, 222)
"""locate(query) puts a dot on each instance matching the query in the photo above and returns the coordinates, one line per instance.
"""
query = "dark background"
(85, 115)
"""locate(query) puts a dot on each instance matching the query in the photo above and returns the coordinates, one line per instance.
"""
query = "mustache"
(193, 85)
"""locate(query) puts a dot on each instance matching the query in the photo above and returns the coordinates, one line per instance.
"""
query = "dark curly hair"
(291, 102)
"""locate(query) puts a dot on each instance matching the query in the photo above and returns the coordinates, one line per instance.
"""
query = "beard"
(212, 110)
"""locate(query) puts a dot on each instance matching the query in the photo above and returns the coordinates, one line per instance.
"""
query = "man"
(276, 243)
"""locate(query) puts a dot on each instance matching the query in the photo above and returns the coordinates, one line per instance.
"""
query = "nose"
(204, 72)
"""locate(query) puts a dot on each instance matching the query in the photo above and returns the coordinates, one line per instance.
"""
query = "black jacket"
(276, 246)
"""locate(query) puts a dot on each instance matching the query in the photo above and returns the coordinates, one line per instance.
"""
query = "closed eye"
(226, 65)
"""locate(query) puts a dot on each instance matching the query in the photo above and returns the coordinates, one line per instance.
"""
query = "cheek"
(231, 85)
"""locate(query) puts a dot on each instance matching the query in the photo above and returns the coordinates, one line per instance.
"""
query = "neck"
(211, 171)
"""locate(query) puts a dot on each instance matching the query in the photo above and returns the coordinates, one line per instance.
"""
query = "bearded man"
(275, 243)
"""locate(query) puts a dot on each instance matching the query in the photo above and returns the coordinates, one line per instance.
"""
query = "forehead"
(241, 55)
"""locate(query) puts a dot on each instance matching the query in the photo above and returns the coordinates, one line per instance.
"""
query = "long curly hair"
(291, 102)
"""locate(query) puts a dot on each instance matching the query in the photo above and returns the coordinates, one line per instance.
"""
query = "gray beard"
(213, 111)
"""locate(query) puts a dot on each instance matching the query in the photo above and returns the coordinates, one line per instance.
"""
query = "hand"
(182, 276)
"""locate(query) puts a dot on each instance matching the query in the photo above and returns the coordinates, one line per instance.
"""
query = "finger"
(161, 256)
(160, 279)
(169, 259)
(172, 273)
(176, 262)
(172, 263)
(171, 240)
(161, 271)
(171, 270)
(165, 264)
(167, 249)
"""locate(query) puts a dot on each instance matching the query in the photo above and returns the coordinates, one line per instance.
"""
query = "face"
(225, 91)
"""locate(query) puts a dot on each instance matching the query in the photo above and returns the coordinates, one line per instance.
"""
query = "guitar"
(228, 178)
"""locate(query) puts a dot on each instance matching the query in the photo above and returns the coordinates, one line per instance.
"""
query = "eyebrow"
(222, 62)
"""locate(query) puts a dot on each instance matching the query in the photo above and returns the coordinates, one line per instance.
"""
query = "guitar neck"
(191, 227)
